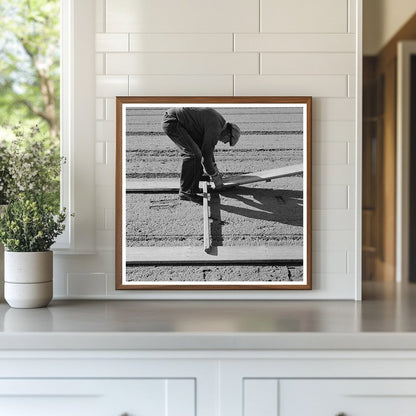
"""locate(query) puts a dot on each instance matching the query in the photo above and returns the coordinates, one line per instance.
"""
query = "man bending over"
(196, 131)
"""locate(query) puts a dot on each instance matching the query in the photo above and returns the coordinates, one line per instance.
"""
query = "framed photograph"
(213, 193)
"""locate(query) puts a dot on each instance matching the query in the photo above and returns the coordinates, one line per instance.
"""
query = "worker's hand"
(216, 178)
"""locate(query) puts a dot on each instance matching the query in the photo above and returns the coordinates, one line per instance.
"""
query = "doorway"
(406, 155)
(389, 198)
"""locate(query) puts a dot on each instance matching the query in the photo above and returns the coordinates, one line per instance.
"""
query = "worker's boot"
(190, 196)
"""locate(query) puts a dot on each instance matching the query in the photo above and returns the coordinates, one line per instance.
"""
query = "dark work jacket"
(204, 125)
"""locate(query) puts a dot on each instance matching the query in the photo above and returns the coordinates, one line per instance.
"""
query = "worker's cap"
(234, 133)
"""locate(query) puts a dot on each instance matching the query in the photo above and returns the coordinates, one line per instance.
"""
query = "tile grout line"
(260, 64)
(348, 197)
(104, 17)
(348, 87)
(347, 268)
(260, 20)
(348, 153)
(233, 84)
(348, 16)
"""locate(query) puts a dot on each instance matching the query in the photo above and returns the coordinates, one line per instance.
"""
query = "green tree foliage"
(29, 63)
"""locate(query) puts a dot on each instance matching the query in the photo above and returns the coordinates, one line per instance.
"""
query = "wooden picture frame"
(276, 137)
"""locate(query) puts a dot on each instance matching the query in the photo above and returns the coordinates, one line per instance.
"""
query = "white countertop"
(384, 320)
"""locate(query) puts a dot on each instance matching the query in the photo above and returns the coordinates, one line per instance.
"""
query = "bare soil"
(215, 273)
(258, 214)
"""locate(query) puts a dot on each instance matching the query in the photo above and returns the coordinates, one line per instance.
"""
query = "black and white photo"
(213, 193)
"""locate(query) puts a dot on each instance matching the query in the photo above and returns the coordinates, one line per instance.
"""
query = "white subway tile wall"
(330, 153)
(110, 109)
(112, 42)
(100, 15)
(180, 42)
(233, 47)
(300, 16)
(100, 157)
(331, 220)
(334, 109)
(283, 42)
(314, 85)
(99, 109)
(352, 15)
(111, 86)
(335, 263)
(181, 85)
(332, 130)
(182, 63)
(182, 16)
(88, 284)
(333, 175)
(317, 63)
(351, 86)
(100, 64)
(330, 196)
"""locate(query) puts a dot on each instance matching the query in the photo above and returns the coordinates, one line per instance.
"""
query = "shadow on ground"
(242, 205)
(284, 206)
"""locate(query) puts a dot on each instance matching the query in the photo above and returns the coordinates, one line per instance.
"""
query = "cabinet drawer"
(347, 397)
(86, 397)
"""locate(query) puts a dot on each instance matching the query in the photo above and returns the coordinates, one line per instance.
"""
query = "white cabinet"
(207, 383)
(109, 383)
(319, 383)
(334, 397)
(89, 397)
(348, 397)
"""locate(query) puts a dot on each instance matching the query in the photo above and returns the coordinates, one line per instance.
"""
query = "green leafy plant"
(29, 163)
(29, 224)
(30, 167)
(5, 175)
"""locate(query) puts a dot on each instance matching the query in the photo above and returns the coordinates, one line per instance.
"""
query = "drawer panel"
(348, 397)
(86, 397)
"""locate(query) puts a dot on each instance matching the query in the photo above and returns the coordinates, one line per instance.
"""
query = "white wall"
(381, 20)
(232, 47)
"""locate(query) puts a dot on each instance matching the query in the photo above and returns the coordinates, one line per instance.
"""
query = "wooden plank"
(152, 186)
(263, 176)
(207, 227)
(229, 182)
(225, 255)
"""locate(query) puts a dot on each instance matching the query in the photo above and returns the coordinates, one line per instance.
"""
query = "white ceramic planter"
(28, 279)
(1, 272)
(2, 210)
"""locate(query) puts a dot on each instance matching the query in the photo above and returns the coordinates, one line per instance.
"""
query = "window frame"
(77, 102)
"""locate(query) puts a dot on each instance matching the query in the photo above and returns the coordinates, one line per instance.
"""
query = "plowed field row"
(258, 214)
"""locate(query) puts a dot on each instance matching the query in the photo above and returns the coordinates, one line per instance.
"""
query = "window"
(47, 77)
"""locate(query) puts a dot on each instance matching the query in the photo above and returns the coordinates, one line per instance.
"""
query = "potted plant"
(28, 228)
(32, 220)
(5, 180)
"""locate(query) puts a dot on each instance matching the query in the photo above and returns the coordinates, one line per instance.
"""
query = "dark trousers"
(191, 171)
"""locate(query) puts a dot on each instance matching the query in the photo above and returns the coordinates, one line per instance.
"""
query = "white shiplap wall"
(233, 47)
